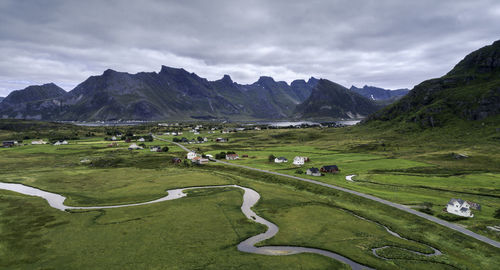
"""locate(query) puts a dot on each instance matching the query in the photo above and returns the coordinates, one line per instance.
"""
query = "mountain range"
(376, 93)
(174, 93)
(470, 91)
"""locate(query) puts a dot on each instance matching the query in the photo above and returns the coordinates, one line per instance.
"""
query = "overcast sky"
(386, 43)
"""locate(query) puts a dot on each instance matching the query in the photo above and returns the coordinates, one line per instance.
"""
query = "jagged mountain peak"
(226, 79)
(171, 70)
(263, 80)
(34, 93)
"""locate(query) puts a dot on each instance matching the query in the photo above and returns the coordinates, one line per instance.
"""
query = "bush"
(271, 158)
(299, 171)
(221, 155)
(450, 217)
(497, 213)
(427, 211)
(164, 149)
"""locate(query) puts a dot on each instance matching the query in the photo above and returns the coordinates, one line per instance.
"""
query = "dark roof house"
(330, 169)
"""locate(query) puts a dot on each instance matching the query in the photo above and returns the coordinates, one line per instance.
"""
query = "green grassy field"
(202, 230)
(420, 174)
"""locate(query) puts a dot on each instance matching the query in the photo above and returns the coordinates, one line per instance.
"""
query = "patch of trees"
(221, 155)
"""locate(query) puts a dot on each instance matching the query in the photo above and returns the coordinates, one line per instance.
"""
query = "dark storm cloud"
(385, 43)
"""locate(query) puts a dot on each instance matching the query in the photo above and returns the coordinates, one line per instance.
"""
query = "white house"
(313, 172)
(232, 156)
(155, 149)
(191, 155)
(459, 207)
(280, 160)
(134, 147)
(196, 133)
(57, 143)
(114, 138)
(299, 161)
(141, 140)
(38, 142)
(64, 142)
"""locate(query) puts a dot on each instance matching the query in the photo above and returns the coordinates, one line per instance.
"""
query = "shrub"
(221, 155)
(497, 213)
(164, 149)
(299, 171)
(427, 211)
(450, 217)
(271, 158)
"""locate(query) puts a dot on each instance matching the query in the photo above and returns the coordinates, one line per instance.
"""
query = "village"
(133, 142)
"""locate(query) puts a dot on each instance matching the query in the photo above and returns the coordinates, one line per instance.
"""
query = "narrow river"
(250, 198)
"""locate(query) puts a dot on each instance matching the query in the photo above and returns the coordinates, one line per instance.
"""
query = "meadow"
(202, 230)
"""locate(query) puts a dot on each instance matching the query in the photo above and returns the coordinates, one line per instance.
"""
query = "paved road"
(367, 196)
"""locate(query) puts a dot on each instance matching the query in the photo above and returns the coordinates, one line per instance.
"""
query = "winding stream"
(250, 198)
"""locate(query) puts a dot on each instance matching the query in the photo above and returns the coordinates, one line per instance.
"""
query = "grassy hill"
(470, 92)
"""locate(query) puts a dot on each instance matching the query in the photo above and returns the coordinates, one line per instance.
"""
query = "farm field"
(425, 179)
(203, 229)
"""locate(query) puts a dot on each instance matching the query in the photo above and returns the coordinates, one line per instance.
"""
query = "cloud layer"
(387, 43)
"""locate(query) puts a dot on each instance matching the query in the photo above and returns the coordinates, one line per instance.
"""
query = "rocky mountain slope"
(30, 99)
(331, 100)
(470, 91)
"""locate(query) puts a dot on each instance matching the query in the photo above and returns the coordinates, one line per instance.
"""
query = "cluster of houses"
(462, 208)
(197, 158)
(301, 160)
(193, 141)
(34, 142)
(297, 161)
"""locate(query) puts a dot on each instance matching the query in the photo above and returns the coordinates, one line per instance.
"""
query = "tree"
(164, 149)
(200, 139)
(271, 158)
(299, 171)
(220, 155)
